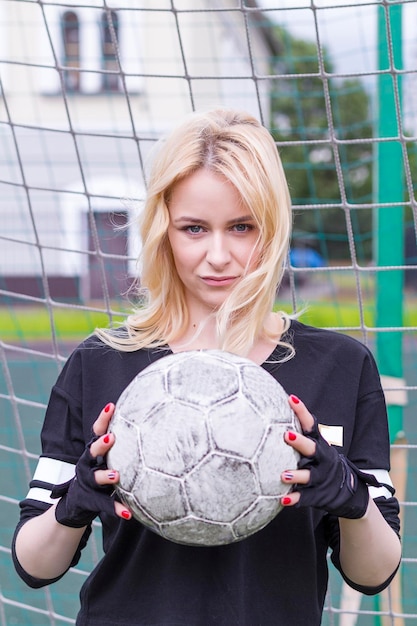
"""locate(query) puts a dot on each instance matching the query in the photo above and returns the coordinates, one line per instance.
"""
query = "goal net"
(86, 89)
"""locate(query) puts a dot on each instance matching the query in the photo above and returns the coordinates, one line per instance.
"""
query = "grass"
(331, 315)
(328, 304)
(34, 323)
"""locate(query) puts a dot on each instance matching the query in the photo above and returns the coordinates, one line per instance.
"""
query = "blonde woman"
(215, 232)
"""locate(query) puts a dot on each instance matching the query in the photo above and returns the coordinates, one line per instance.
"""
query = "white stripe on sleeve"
(382, 476)
(53, 472)
(42, 495)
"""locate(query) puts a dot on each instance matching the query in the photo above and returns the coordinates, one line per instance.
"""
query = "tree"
(308, 108)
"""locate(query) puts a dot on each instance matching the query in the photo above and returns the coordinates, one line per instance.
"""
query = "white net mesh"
(85, 91)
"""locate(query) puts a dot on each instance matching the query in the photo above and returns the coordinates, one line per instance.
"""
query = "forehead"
(205, 190)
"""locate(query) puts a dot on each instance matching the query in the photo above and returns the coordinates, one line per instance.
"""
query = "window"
(71, 39)
(109, 42)
(93, 45)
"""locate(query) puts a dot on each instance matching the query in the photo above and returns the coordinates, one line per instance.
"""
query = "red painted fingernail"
(288, 475)
(286, 500)
(106, 438)
(125, 514)
(107, 407)
(111, 475)
(292, 436)
(295, 399)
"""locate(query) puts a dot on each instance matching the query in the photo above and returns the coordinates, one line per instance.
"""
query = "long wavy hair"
(235, 145)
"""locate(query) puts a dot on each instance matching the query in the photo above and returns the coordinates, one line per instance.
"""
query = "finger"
(102, 445)
(290, 499)
(122, 510)
(303, 445)
(101, 425)
(301, 411)
(292, 477)
(107, 477)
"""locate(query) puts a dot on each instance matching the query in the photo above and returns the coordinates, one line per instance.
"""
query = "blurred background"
(87, 89)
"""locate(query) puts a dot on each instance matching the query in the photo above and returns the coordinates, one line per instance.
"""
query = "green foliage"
(310, 107)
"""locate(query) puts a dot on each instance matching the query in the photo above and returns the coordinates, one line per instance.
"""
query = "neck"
(202, 336)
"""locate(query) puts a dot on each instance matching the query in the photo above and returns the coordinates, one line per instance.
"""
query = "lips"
(219, 281)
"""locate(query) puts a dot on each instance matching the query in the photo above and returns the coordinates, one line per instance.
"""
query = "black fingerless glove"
(82, 499)
(336, 484)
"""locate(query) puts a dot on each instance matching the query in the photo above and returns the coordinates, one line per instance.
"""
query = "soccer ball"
(200, 449)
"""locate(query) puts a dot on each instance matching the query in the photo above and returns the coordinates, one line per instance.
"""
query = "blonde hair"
(235, 145)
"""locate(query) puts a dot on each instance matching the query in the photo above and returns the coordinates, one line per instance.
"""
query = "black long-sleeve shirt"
(277, 576)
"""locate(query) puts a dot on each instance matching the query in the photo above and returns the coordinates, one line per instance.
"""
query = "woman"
(215, 233)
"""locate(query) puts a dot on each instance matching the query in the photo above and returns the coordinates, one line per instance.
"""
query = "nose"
(218, 252)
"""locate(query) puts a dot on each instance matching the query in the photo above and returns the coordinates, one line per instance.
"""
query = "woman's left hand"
(324, 479)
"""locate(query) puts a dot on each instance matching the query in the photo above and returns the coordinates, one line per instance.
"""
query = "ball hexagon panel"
(198, 532)
(270, 463)
(236, 427)
(143, 395)
(138, 512)
(174, 438)
(221, 488)
(121, 454)
(203, 384)
(256, 386)
(255, 517)
(161, 496)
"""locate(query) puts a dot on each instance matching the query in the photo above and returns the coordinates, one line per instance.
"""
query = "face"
(213, 237)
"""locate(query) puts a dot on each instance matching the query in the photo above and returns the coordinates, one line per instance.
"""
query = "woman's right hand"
(91, 490)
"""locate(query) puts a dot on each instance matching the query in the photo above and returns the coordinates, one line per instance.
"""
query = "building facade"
(85, 93)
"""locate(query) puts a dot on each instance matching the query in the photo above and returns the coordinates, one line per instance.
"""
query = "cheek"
(171, 238)
(183, 257)
(175, 246)
(251, 256)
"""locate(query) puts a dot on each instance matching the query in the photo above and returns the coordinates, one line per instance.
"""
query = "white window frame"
(91, 56)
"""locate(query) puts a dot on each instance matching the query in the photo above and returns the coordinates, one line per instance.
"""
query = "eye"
(243, 228)
(193, 229)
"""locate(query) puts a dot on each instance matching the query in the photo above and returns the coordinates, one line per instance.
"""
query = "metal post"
(389, 247)
(389, 187)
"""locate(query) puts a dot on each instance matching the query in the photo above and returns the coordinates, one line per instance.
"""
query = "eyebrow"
(194, 220)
